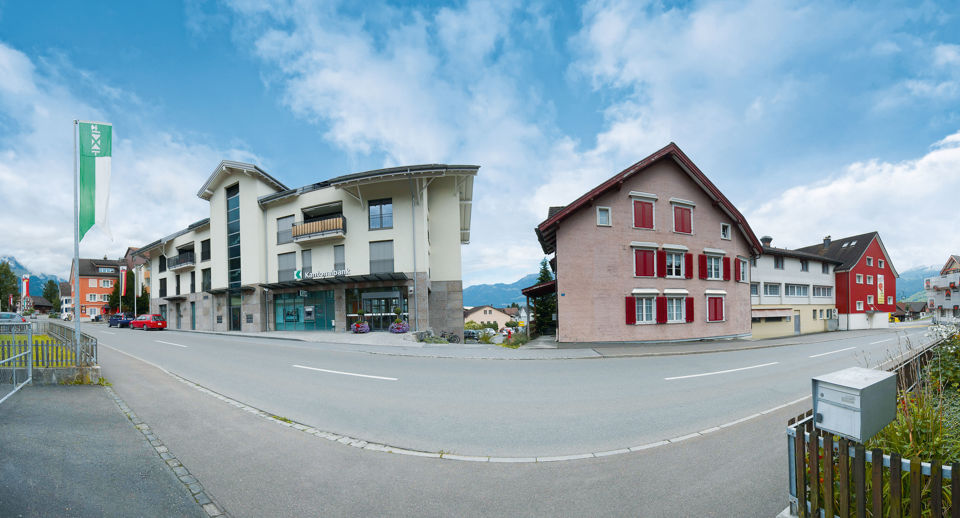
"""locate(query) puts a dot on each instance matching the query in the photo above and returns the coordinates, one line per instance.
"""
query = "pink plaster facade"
(596, 271)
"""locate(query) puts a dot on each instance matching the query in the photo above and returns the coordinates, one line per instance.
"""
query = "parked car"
(7, 317)
(120, 320)
(67, 315)
(487, 332)
(471, 334)
(148, 322)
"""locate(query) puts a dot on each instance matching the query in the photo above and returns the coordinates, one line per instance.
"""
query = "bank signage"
(299, 275)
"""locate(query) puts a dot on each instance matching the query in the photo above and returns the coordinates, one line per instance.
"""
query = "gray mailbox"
(855, 403)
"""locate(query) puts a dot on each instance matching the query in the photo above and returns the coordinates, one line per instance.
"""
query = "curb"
(190, 482)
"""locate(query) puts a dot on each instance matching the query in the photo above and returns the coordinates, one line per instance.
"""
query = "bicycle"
(450, 337)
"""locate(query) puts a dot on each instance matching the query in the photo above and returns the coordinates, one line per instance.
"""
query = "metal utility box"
(855, 403)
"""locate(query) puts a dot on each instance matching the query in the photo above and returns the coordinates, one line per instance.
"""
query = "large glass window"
(339, 261)
(306, 261)
(286, 264)
(163, 287)
(381, 257)
(234, 297)
(284, 230)
(381, 213)
(205, 250)
(206, 281)
(797, 290)
(163, 263)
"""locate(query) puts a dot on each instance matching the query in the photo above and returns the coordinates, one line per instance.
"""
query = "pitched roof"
(511, 311)
(64, 289)
(250, 169)
(952, 259)
(552, 211)
(917, 307)
(40, 301)
(547, 231)
(849, 250)
(90, 268)
(798, 254)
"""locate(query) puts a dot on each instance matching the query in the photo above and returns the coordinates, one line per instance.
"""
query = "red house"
(866, 280)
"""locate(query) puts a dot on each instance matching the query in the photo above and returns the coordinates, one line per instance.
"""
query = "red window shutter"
(703, 266)
(661, 310)
(726, 268)
(688, 265)
(638, 213)
(689, 303)
(647, 215)
(631, 310)
(661, 263)
(642, 214)
(638, 262)
(645, 260)
(736, 269)
(687, 227)
(719, 308)
(681, 219)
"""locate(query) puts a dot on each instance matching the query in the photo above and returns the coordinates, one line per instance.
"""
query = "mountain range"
(498, 295)
(37, 280)
(910, 283)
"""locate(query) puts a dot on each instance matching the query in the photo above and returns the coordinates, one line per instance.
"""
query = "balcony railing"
(951, 280)
(333, 226)
(184, 260)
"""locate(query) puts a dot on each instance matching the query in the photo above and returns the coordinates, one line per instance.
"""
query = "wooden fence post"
(955, 489)
(895, 500)
(844, 478)
(877, 490)
(814, 473)
(828, 474)
(859, 474)
(916, 476)
(801, 451)
(936, 488)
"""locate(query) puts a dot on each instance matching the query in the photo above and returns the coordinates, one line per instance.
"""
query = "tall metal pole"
(136, 288)
(76, 246)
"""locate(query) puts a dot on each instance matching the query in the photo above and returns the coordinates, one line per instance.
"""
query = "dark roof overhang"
(541, 289)
(370, 277)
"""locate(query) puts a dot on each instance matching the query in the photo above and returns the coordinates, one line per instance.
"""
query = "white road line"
(881, 341)
(831, 352)
(347, 373)
(170, 343)
(720, 372)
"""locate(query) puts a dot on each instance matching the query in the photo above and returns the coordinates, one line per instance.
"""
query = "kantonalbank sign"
(299, 275)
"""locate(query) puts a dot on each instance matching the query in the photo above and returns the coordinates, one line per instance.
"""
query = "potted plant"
(399, 325)
(361, 325)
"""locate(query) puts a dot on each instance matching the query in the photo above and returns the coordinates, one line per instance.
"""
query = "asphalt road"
(502, 408)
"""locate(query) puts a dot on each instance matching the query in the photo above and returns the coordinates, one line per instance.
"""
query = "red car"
(148, 322)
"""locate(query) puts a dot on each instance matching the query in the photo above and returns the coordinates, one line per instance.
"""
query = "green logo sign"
(298, 275)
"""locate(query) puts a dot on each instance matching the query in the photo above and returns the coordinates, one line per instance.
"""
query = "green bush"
(944, 367)
(472, 325)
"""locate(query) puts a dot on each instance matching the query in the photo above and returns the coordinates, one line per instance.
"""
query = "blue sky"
(814, 118)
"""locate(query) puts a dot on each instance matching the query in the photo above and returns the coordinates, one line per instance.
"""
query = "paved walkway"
(70, 451)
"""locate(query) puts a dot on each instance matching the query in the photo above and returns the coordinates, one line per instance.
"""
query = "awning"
(174, 298)
(775, 312)
(393, 276)
(541, 289)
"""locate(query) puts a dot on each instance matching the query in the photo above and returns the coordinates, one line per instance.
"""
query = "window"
(92, 283)
(163, 287)
(714, 309)
(603, 216)
(682, 219)
(285, 230)
(645, 314)
(104, 297)
(91, 297)
(823, 291)
(675, 264)
(714, 267)
(233, 247)
(724, 231)
(814, 314)
(178, 283)
(106, 283)
(644, 263)
(338, 260)
(889, 299)
(821, 314)
(753, 261)
(193, 282)
(642, 214)
(104, 269)
(306, 262)
(163, 263)
(870, 299)
(859, 305)
(825, 268)
(778, 262)
(869, 261)
(859, 278)
(381, 256)
(286, 265)
(869, 279)
(771, 289)
(381, 214)
(205, 250)
(755, 288)
(880, 263)
(743, 270)
(796, 290)
(804, 265)
(205, 279)
(675, 307)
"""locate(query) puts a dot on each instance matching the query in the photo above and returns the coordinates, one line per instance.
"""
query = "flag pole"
(76, 247)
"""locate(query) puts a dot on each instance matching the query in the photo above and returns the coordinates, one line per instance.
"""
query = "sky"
(813, 118)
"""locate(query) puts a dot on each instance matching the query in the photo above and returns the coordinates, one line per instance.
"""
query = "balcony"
(327, 227)
(951, 280)
(182, 262)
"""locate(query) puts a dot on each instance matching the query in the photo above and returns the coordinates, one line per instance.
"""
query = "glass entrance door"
(379, 311)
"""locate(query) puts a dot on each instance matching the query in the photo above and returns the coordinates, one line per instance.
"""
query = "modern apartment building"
(97, 277)
(792, 292)
(943, 293)
(312, 258)
(655, 253)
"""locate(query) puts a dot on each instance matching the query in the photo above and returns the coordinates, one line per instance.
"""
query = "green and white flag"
(96, 139)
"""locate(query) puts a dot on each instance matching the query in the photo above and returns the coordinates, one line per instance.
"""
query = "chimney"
(766, 240)
(826, 242)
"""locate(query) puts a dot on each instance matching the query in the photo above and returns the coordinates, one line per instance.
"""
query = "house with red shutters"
(943, 293)
(655, 253)
(866, 280)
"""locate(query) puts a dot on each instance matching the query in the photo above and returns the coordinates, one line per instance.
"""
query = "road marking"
(170, 343)
(108, 332)
(347, 373)
(720, 372)
(881, 341)
(831, 352)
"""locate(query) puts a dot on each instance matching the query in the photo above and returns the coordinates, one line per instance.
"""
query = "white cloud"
(153, 174)
(908, 202)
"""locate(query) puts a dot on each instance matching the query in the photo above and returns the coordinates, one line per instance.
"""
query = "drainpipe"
(413, 235)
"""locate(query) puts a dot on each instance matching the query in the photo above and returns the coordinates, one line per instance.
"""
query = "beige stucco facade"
(487, 314)
(814, 318)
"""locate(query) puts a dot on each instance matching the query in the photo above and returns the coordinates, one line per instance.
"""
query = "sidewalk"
(69, 451)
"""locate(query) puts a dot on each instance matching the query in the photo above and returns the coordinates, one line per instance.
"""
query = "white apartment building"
(943, 293)
(791, 292)
(274, 258)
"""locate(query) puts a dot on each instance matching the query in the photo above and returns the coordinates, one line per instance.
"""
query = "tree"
(515, 305)
(143, 301)
(8, 285)
(544, 307)
(51, 292)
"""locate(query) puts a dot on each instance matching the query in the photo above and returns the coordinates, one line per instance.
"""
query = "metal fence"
(26, 346)
(828, 476)
(19, 355)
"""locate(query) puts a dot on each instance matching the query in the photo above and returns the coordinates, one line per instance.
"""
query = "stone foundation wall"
(446, 307)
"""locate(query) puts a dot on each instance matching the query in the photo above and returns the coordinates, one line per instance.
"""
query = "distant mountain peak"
(499, 294)
(37, 280)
